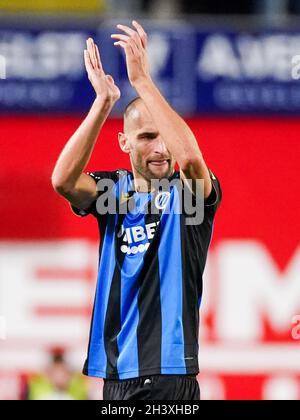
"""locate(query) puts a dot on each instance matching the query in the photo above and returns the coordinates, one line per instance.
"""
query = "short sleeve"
(212, 202)
(97, 176)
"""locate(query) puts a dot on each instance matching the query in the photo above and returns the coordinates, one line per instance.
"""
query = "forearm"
(77, 152)
(177, 135)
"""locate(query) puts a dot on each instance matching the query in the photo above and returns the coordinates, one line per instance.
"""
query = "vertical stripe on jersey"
(113, 325)
(191, 293)
(171, 294)
(128, 361)
(97, 359)
(102, 229)
(149, 330)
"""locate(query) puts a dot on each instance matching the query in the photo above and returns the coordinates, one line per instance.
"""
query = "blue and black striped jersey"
(146, 311)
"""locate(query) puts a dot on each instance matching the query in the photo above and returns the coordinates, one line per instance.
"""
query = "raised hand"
(134, 43)
(102, 83)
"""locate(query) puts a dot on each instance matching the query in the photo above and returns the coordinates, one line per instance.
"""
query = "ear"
(123, 142)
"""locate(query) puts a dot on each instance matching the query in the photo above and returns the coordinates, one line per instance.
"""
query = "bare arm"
(177, 135)
(68, 178)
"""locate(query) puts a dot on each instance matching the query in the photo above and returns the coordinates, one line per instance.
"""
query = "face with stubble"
(149, 156)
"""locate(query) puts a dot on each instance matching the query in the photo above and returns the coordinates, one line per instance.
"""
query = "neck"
(141, 184)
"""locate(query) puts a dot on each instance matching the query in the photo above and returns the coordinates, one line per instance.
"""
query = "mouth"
(159, 162)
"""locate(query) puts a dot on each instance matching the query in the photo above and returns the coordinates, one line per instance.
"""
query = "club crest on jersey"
(161, 200)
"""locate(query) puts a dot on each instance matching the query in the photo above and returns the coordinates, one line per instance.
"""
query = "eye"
(151, 136)
(147, 136)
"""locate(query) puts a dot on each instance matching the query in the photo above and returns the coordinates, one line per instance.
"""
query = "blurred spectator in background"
(266, 7)
(271, 8)
(58, 382)
(124, 7)
(154, 8)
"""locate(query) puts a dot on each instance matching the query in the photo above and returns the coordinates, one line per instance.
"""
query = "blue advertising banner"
(44, 71)
(248, 72)
(212, 71)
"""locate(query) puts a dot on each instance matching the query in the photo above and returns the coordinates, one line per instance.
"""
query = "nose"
(160, 147)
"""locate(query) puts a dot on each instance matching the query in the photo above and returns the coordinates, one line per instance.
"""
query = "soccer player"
(144, 329)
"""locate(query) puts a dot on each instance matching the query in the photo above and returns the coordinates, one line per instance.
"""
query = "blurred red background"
(257, 162)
